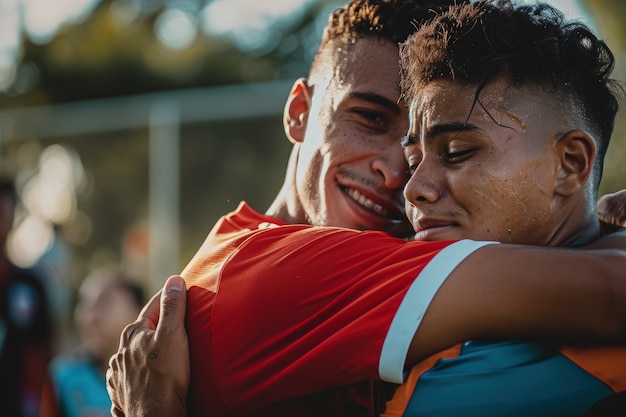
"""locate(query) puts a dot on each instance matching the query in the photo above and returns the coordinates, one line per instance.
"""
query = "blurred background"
(130, 126)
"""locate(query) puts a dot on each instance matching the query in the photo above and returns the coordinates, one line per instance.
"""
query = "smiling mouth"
(367, 203)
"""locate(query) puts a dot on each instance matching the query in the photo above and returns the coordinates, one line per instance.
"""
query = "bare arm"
(522, 292)
(149, 375)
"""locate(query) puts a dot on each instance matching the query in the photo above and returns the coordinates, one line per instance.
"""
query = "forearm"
(565, 294)
(507, 291)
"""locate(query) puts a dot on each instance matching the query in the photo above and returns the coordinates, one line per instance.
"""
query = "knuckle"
(112, 362)
(129, 331)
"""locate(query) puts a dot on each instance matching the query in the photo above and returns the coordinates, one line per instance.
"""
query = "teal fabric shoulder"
(506, 378)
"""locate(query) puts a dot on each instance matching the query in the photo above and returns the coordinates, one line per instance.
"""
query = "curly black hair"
(531, 44)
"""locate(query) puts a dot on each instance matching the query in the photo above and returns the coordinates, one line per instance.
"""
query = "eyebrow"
(377, 99)
(440, 129)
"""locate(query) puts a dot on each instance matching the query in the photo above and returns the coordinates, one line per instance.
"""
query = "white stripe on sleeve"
(414, 305)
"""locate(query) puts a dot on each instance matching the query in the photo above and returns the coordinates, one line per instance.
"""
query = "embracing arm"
(524, 292)
(499, 291)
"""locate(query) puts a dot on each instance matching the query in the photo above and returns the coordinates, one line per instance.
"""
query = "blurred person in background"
(106, 302)
(26, 329)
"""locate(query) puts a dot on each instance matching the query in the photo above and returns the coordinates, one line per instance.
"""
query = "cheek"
(319, 162)
(513, 206)
(479, 189)
(345, 145)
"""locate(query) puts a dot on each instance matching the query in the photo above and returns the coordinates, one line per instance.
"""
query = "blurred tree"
(116, 52)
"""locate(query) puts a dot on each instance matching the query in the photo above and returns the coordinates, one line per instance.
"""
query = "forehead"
(454, 98)
(498, 103)
(368, 64)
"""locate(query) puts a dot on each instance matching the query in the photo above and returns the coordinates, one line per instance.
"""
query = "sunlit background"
(130, 126)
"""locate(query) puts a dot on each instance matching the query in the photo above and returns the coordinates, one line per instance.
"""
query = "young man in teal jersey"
(511, 112)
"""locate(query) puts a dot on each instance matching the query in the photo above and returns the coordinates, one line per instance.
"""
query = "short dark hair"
(112, 275)
(394, 20)
(133, 288)
(391, 20)
(530, 44)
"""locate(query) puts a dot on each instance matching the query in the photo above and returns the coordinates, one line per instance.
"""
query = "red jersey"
(279, 315)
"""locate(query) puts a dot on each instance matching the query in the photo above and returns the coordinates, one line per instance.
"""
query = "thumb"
(173, 306)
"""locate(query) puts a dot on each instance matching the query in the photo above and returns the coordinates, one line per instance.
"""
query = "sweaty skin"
(491, 177)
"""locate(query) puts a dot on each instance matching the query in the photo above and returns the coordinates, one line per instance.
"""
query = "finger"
(173, 306)
(149, 314)
(110, 385)
(130, 333)
(612, 209)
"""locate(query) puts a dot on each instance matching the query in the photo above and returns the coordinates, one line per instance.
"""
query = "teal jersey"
(512, 379)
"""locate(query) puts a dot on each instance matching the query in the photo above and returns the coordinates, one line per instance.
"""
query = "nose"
(392, 166)
(423, 185)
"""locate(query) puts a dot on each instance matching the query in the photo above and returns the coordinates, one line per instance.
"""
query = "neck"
(575, 226)
(286, 205)
(587, 233)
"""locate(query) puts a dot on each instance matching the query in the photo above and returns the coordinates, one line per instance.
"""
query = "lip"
(434, 229)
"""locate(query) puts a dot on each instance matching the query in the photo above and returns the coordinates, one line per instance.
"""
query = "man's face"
(491, 178)
(103, 310)
(351, 168)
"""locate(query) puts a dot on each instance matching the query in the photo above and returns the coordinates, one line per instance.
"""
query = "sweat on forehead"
(500, 101)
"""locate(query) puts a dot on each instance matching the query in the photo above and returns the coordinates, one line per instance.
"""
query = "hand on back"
(612, 211)
(149, 375)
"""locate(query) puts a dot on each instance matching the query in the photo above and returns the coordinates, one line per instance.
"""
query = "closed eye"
(458, 156)
(373, 119)
(414, 160)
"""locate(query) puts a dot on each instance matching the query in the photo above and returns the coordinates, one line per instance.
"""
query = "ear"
(296, 114)
(577, 152)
